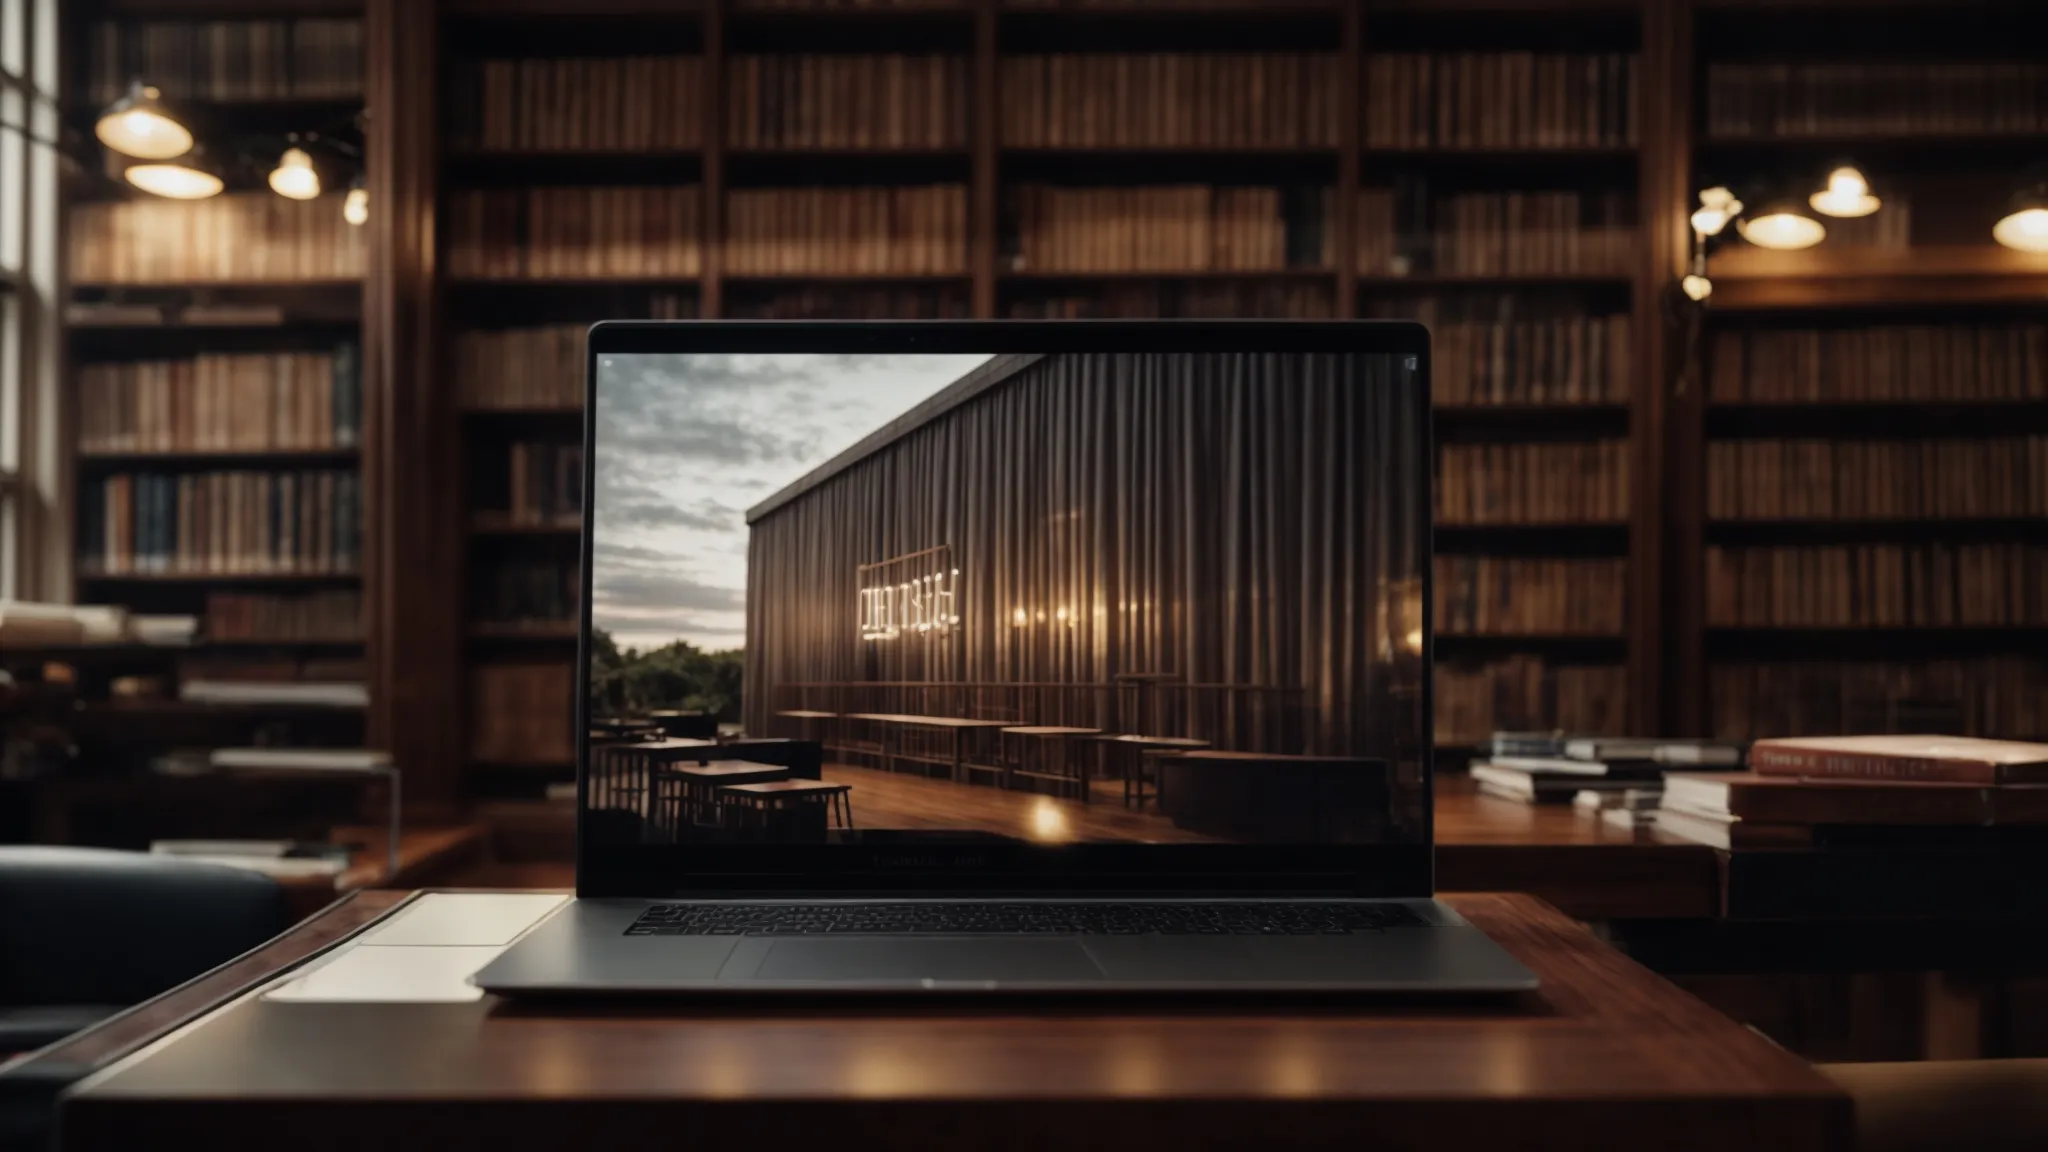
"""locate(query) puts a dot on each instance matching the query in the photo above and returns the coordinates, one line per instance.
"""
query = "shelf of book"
(198, 578)
(224, 458)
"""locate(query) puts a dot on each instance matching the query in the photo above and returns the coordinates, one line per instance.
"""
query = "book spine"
(1772, 760)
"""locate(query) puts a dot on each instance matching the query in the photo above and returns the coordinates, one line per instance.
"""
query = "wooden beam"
(412, 513)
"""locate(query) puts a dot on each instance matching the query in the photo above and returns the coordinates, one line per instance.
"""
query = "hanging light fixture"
(1847, 195)
(2024, 228)
(355, 207)
(139, 125)
(294, 177)
(192, 176)
(1717, 207)
(1783, 226)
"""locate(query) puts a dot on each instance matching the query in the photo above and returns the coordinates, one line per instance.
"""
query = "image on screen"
(1046, 599)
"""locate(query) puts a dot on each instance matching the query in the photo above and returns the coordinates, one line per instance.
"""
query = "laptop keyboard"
(1090, 919)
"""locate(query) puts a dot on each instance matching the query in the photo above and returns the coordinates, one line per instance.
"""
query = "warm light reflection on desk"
(1047, 822)
(1293, 1066)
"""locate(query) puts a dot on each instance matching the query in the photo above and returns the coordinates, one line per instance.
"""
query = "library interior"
(1728, 638)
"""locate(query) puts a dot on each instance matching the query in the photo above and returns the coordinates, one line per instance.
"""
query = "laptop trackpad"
(965, 959)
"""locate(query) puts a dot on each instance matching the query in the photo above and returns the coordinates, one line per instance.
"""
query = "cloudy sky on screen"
(687, 443)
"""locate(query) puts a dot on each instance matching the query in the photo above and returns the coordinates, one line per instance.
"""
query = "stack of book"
(1862, 792)
(228, 60)
(1508, 349)
(262, 617)
(1407, 229)
(847, 303)
(222, 523)
(1537, 768)
(546, 482)
(520, 368)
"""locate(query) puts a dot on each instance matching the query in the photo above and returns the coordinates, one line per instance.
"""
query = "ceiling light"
(2025, 226)
(1846, 195)
(294, 178)
(189, 177)
(138, 125)
(356, 207)
(1783, 226)
(1717, 207)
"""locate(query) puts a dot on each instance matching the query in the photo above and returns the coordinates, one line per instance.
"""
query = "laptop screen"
(886, 598)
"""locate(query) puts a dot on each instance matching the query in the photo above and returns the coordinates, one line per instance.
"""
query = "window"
(34, 541)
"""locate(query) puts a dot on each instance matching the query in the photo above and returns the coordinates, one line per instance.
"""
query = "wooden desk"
(1605, 1056)
(1587, 869)
(958, 726)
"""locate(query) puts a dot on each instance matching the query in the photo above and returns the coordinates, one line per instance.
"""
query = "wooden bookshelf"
(435, 523)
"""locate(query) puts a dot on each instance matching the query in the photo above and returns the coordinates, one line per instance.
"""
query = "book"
(1979, 696)
(1179, 228)
(1800, 800)
(225, 523)
(1527, 743)
(1605, 799)
(862, 303)
(301, 759)
(1699, 753)
(1537, 483)
(1730, 834)
(228, 61)
(240, 402)
(1512, 349)
(1472, 699)
(1576, 767)
(1960, 759)
(2000, 476)
(1184, 300)
(636, 103)
(246, 617)
(520, 368)
(1499, 100)
(165, 629)
(864, 103)
(573, 233)
(1878, 363)
(1251, 100)
(1540, 787)
(1610, 748)
(545, 482)
(1498, 596)
(920, 230)
(1411, 229)
(525, 592)
(312, 693)
(244, 237)
(1882, 100)
(1938, 585)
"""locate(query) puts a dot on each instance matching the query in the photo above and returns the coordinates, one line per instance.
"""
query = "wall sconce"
(1846, 196)
(2024, 227)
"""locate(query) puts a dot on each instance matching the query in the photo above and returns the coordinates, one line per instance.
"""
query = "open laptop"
(1077, 657)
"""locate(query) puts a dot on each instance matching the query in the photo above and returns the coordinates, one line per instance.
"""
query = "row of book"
(855, 102)
(228, 60)
(1495, 353)
(1879, 363)
(1781, 100)
(1533, 483)
(222, 402)
(237, 236)
(1197, 299)
(546, 481)
(1527, 692)
(1861, 480)
(1171, 100)
(522, 714)
(306, 522)
(1878, 586)
(1499, 100)
(842, 231)
(1516, 596)
(612, 104)
(839, 303)
(524, 592)
(1402, 231)
(520, 368)
(1180, 228)
(1618, 776)
(1984, 696)
(243, 617)
(566, 233)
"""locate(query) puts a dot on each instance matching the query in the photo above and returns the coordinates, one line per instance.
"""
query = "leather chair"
(87, 932)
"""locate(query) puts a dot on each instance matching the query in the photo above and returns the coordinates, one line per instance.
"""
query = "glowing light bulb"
(174, 181)
(294, 177)
(1847, 195)
(1782, 230)
(356, 207)
(1696, 288)
(2024, 231)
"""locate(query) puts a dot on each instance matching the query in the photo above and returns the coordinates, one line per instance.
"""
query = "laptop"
(1040, 657)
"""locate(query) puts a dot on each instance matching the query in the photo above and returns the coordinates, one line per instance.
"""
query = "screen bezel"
(632, 870)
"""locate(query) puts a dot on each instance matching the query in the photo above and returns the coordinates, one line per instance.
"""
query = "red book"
(1956, 759)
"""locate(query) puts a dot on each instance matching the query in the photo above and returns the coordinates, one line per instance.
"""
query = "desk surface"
(1606, 1055)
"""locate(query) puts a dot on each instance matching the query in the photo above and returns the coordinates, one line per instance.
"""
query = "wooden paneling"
(412, 515)
(1220, 520)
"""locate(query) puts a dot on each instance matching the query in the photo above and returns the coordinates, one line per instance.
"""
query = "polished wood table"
(958, 726)
(1605, 1055)
(1586, 868)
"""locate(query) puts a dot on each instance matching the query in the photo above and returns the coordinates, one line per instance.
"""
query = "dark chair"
(88, 932)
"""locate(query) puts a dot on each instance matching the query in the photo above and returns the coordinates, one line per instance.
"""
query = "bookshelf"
(1533, 212)
(1860, 516)
(214, 365)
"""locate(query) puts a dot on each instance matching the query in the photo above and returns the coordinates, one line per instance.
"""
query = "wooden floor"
(903, 800)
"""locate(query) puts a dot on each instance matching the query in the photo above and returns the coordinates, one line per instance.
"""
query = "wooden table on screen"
(1605, 1056)
(958, 726)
